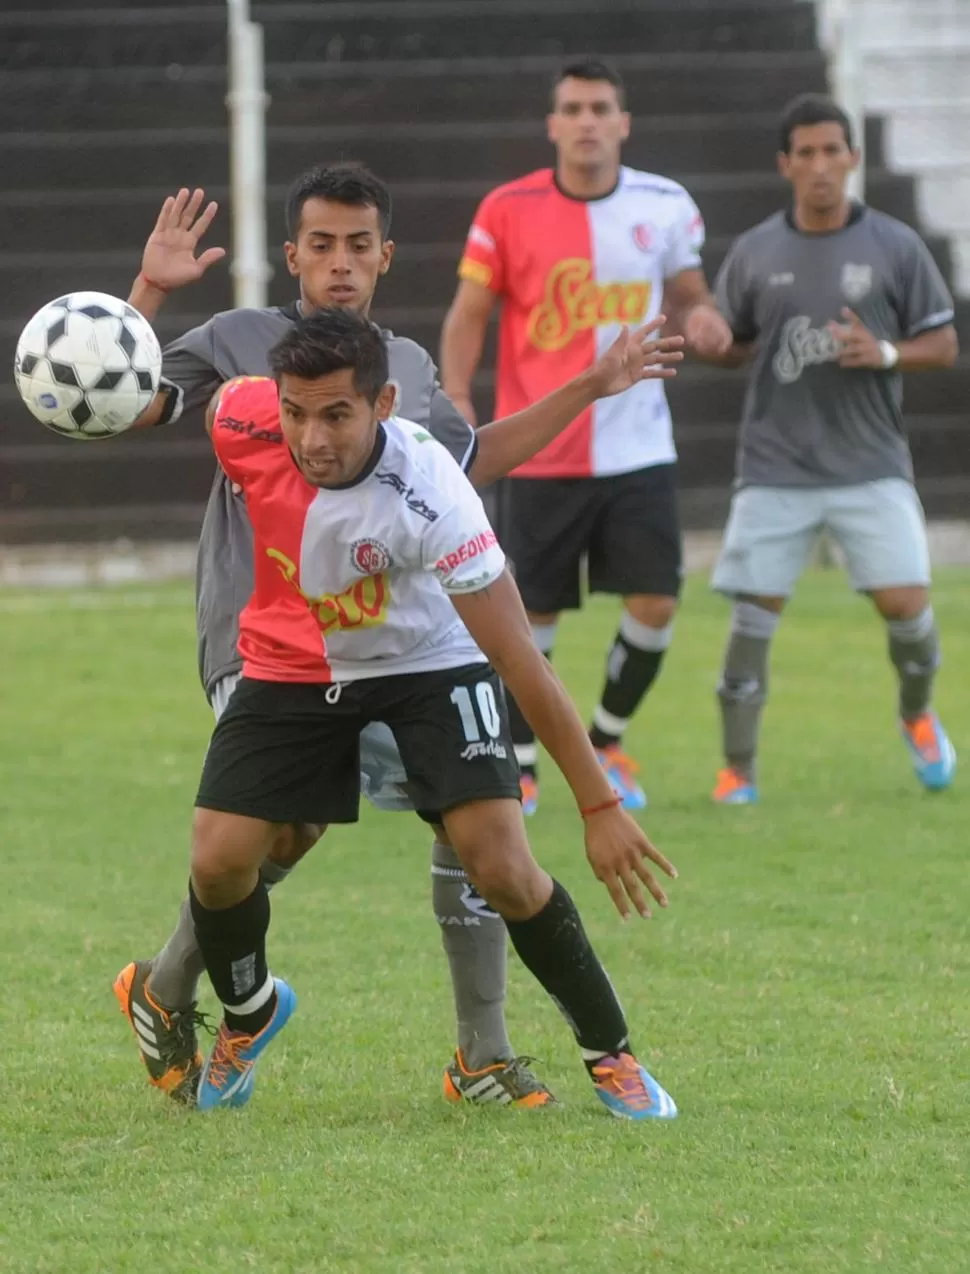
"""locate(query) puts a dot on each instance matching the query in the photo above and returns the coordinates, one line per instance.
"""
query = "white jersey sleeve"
(685, 237)
(460, 547)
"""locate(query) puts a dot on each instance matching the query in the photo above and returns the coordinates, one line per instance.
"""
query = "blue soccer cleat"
(934, 756)
(229, 1073)
(530, 794)
(629, 1091)
(621, 770)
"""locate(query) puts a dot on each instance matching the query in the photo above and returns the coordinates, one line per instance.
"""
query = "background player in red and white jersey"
(572, 253)
(381, 595)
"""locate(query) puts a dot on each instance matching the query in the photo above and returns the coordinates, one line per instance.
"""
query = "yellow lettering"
(362, 604)
(573, 302)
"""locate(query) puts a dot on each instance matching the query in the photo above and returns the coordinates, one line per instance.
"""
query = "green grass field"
(804, 998)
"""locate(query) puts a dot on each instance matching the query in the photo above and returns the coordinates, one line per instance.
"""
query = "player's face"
(587, 125)
(330, 428)
(338, 255)
(818, 165)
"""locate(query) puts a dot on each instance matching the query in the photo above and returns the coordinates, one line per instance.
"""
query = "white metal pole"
(246, 102)
(843, 41)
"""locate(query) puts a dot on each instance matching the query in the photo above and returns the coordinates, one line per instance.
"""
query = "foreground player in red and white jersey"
(381, 595)
(572, 253)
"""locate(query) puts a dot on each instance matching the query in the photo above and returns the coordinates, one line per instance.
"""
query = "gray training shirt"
(236, 343)
(807, 421)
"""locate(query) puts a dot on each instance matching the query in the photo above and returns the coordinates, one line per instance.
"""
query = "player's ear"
(625, 129)
(784, 165)
(385, 401)
(290, 250)
(856, 159)
(387, 255)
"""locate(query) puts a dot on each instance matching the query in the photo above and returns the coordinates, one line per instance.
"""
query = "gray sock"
(914, 648)
(178, 966)
(743, 687)
(476, 943)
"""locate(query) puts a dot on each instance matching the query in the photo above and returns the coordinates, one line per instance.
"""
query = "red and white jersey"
(571, 273)
(353, 582)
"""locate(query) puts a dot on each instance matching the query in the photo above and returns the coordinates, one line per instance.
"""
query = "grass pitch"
(804, 999)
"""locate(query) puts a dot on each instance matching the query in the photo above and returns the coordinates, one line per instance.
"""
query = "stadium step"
(497, 28)
(475, 88)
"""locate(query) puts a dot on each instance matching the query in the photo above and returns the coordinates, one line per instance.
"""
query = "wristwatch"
(890, 354)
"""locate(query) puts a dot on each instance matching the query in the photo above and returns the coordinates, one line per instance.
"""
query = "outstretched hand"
(169, 260)
(636, 355)
(618, 850)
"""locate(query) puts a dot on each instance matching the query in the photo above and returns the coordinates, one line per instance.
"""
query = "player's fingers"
(210, 257)
(205, 220)
(612, 883)
(178, 207)
(635, 893)
(641, 333)
(650, 851)
(191, 209)
(851, 317)
(164, 214)
(651, 882)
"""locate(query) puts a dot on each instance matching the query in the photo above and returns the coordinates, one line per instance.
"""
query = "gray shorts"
(773, 531)
(382, 777)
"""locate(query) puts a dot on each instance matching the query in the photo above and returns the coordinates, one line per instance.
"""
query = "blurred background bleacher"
(103, 111)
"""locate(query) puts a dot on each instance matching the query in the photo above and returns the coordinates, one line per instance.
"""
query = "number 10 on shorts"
(479, 715)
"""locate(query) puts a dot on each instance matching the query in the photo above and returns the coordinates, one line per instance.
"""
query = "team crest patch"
(643, 237)
(856, 281)
(370, 557)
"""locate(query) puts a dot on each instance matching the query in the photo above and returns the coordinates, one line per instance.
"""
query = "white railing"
(246, 102)
(840, 29)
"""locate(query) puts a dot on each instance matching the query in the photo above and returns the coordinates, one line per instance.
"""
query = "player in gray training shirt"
(338, 220)
(835, 301)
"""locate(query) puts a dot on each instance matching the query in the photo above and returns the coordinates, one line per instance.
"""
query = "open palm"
(169, 260)
(638, 355)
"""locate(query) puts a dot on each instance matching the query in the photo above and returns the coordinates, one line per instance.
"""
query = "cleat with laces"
(621, 770)
(734, 788)
(166, 1037)
(629, 1091)
(229, 1073)
(934, 756)
(530, 794)
(502, 1083)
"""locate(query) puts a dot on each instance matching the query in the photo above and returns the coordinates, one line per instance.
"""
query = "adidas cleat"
(228, 1076)
(166, 1037)
(934, 756)
(629, 1091)
(503, 1083)
(621, 771)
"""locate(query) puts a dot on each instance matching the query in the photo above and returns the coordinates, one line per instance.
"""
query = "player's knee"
(490, 840)
(293, 841)
(901, 603)
(652, 611)
(226, 852)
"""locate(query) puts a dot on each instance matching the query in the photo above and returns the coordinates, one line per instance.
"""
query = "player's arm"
(924, 352)
(635, 356)
(169, 261)
(462, 340)
(615, 845)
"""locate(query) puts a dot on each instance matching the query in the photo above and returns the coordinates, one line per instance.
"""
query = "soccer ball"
(87, 365)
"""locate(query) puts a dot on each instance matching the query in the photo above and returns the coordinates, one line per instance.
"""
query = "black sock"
(631, 668)
(554, 948)
(523, 736)
(233, 943)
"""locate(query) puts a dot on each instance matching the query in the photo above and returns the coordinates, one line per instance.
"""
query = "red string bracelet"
(152, 284)
(598, 809)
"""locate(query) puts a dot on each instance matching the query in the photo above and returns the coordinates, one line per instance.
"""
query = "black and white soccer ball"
(87, 365)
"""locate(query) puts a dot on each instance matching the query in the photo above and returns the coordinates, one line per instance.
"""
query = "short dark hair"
(350, 184)
(593, 69)
(331, 340)
(808, 109)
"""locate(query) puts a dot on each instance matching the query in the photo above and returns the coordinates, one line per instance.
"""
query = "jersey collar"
(856, 212)
(587, 198)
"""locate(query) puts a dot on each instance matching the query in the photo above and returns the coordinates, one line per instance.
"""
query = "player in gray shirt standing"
(834, 301)
(338, 220)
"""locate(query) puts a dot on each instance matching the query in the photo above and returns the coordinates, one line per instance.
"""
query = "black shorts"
(289, 752)
(626, 526)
